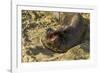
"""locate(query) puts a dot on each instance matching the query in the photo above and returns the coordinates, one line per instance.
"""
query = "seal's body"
(68, 36)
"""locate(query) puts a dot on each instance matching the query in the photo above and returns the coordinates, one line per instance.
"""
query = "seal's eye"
(49, 30)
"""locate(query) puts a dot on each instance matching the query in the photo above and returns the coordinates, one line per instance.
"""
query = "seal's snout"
(49, 32)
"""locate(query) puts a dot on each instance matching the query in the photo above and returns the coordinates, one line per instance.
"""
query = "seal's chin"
(51, 47)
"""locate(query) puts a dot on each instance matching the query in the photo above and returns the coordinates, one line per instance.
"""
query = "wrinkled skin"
(68, 36)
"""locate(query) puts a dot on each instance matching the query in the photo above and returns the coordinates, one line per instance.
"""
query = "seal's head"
(52, 37)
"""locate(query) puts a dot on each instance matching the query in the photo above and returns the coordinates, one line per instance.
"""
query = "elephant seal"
(62, 39)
